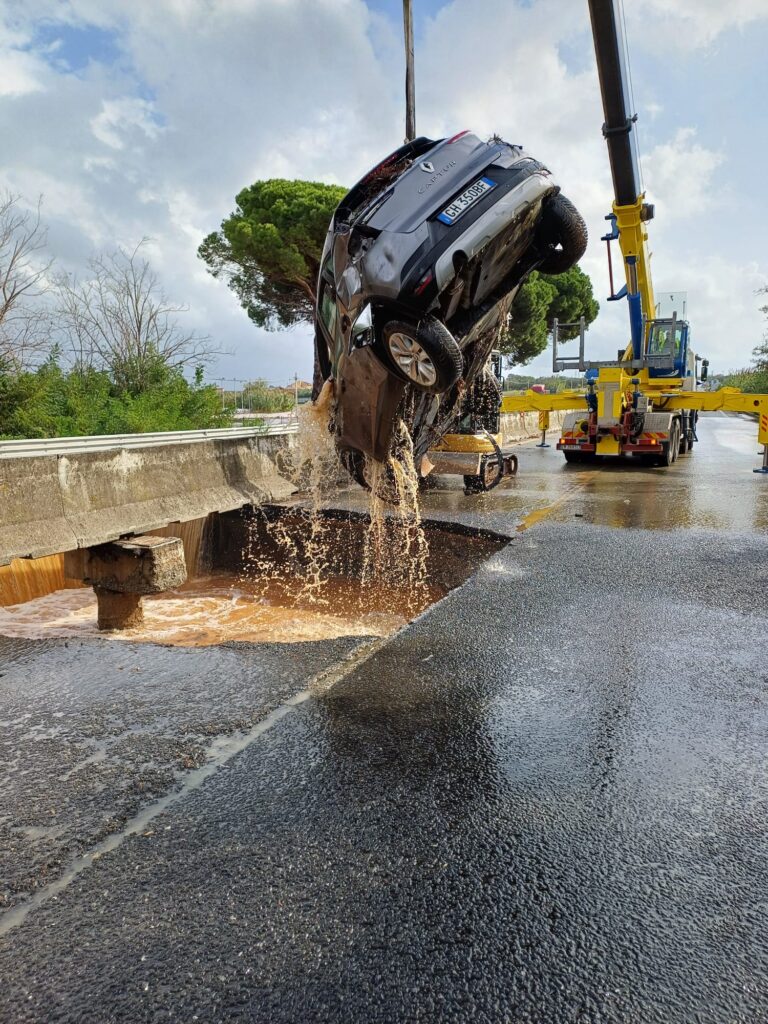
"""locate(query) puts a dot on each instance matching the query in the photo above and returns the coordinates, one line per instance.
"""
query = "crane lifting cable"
(410, 89)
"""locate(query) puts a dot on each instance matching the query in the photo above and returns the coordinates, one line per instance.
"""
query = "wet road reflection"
(711, 488)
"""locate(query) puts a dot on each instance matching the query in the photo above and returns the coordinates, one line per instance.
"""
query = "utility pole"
(296, 391)
(410, 89)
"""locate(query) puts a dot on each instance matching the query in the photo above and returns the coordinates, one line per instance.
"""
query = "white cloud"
(688, 24)
(122, 118)
(20, 70)
(723, 306)
(678, 176)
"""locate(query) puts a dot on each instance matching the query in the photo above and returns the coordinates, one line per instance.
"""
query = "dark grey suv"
(422, 261)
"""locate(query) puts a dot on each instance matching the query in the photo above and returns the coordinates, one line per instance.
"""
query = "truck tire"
(425, 355)
(562, 234)
(671, 448)
(571, 457)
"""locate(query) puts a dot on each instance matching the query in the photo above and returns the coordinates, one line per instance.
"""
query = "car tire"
(358, 468)
(425, 355)
(562, 234)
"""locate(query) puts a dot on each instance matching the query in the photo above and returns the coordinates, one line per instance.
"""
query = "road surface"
(543, 801)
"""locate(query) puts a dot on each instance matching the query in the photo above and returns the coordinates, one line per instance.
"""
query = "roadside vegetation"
(258, 396)
(107, 354)
(515, 382)
(753, 379)
(52, 402)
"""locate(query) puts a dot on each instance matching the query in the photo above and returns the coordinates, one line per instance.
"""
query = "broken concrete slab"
(139, 565)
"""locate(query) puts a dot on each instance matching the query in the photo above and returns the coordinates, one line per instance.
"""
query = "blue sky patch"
(73, 48)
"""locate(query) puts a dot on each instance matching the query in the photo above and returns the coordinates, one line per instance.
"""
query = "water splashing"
(395, 548)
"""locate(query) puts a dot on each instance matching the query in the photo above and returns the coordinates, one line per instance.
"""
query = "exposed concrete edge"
(55, 503)
(458, 525)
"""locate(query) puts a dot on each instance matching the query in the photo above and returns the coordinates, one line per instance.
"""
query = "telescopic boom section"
(629, 208)
(614, 87)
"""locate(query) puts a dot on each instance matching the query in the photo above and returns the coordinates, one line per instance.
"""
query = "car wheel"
(425, 355)
(563, 235)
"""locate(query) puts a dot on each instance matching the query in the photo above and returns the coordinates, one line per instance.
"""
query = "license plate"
(463, 202)
(571, 447)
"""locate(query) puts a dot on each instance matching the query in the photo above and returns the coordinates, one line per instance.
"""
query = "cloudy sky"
(145, 118)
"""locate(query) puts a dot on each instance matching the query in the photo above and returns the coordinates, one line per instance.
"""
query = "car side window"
(328, 312)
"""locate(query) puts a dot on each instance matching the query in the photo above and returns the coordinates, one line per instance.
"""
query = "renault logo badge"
(428, 167)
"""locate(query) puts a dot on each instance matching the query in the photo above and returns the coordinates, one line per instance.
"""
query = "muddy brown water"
(263, 585)
(215, 609)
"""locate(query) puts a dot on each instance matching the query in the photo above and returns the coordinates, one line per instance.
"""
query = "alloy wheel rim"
(412, 360)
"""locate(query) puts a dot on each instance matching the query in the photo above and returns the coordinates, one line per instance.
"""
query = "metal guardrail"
(114, 442)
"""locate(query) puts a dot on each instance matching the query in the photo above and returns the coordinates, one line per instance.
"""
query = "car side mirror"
(704, 369)
(362, 330)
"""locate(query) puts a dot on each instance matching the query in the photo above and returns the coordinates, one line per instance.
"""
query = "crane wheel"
(571, 457)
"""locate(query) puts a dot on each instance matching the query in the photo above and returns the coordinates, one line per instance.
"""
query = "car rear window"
(359, 199)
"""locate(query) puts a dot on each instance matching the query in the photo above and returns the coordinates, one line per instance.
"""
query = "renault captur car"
(421, 263)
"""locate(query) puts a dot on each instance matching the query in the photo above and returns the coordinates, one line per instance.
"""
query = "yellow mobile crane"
(647, 401)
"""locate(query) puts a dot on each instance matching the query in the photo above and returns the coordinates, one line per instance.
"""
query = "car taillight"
(423, 283)
(455, 137)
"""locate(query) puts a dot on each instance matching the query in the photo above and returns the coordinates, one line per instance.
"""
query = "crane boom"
(614, 87)
(630, 211)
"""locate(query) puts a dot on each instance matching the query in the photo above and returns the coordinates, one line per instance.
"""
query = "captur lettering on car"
(436, 175)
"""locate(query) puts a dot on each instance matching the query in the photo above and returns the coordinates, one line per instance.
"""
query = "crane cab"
(668, 350)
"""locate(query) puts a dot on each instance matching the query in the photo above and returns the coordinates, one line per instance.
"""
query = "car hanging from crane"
(421, 263)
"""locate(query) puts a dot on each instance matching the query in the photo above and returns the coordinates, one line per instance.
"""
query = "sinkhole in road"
(281, 575)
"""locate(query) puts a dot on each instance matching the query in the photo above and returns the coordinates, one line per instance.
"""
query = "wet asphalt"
(543, 801)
